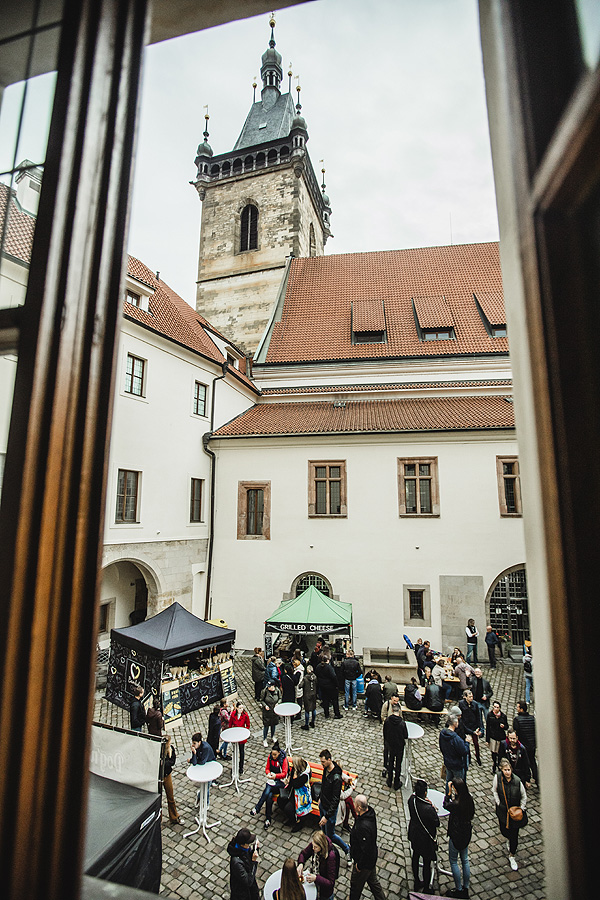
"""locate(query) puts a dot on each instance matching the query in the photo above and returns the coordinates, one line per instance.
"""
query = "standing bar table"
(437, 798)
(233, 736)
(414, 733)
(202, 776)
(287, 711)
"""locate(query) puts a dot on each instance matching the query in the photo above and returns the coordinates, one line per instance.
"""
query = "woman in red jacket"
(240, 719)
(276, 771)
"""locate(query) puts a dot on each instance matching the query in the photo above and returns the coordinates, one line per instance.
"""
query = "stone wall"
(462, 598)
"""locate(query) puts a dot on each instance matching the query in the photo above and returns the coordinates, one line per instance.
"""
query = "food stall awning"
(172, 633)
(311, 613)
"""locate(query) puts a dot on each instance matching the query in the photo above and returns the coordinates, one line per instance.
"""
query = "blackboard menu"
(228, 679)
(199, 692)
(171, 703)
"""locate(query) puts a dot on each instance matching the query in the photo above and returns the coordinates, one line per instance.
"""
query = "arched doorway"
(128, 588)
(508, 606)
(304, 581)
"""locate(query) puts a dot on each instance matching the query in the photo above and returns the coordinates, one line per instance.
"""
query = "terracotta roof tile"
(18, 236)
(388, 386)
(359, 416)
(368, 315)
(433, 312)
(492, 304)
(316, 316)
(138, 270)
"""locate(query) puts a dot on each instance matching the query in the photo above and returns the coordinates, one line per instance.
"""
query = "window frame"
(425, 590)
(195, 399)
(250, 231)
(501, 478)
(129, 391)
(196, 501)
(136, 520)
(431, 461)
(242, 510)
(312, 488)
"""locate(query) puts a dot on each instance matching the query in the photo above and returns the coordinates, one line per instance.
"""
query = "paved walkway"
(194, 868)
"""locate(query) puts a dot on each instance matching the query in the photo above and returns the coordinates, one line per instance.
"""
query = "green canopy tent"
(311, 613)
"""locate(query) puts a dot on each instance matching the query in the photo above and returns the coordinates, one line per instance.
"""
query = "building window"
(127, 496)
(418, 488)
(107, 616)
(135, 375)
(254, 510)
(312, 579)
(133, 298)
(498, 331)
(249, 228)
(196, 500)
(369, 337)
(312, 244)
(438, 334)
(509, 485)
(199, 399)
(327, 488)
(417, 604)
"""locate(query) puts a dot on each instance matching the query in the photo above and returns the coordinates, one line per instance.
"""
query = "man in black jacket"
(524, 725)
(242, 866)
(331, 788)
(137, 713)
(395, 735)
(517, 756)
(471, 717)
(363, 848)
(482, 693)
(351, 669)
(327, 682)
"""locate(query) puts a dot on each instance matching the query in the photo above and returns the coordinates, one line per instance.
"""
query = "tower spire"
(271, 71)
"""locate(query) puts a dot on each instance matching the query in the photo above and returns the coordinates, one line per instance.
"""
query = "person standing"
(363, 850)
(309, 697)
(290, 887)
(422, 829)
(170, 760)
(492, 641)
(328, 686)
(395, 735)
(528, 670)
(351, 669)
(258, 671)
(461, 807)
(509, 792)
(243, 861)
(524, 725)
(137, 713)
(323, 854)
(470, 716)
(517, 755)
(299, 804)
(154, 719)
(298, 679)
(482, 694)
(214, 729)
(331, 789)
(496, 726)
(225, 715)
(472, 635)
(269, 699)
(454, 751)
(240, 719)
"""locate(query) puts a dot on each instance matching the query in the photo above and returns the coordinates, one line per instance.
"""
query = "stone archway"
(507, 604)
(128, 593)
(306, 579)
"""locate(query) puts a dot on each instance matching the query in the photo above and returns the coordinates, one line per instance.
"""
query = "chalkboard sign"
(171, 703)
(199, 692)
(228, 679)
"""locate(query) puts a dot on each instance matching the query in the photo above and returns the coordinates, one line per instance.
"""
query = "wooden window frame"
(133, 298)
(501, 477)
(123, 521)
(130, 376)
(242, 510)
(435, 487)
(196, 399)
(312, 489)
(196, 502)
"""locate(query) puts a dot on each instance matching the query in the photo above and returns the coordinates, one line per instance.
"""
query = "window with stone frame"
(135, 376)
(418, 487)
(196, 491)
(312, 247)
(249, 228)
(127, 496)
(254, 511)
(327, 488)
(509, 485)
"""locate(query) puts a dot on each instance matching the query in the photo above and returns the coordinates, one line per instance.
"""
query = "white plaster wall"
(371, 554)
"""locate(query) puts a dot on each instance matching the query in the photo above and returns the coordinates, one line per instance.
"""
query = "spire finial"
(290, 73)
(206, 118)
(272, 24)
(254, 89)
(298, 88)
(322, 161)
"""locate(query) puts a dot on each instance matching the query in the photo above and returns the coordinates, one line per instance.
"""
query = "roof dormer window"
(368, 322)
(438, 334)
(433, 318)
(133, 298)
(490, 305)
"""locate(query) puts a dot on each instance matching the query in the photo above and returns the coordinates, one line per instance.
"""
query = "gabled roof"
(18, 234)
(316, 324)
(269, 124)
(356, 416)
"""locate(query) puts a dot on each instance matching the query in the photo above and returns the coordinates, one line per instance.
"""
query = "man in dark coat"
(517, 755)
(482, 693)
(242, 866)
(454, 751)
(524, 725)
(492, 641)
(422, 828)
(351, 669)
(202, 752)
(137, 713)
(395, 735)
(329, 801)
(315, 656)
(328, 686)
(470, 716)
(258, 671)
(363, 849)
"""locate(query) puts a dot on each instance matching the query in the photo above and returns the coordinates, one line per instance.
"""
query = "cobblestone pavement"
(191, 866)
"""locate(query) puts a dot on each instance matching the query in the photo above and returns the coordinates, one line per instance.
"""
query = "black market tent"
(172, 633)
(123, 837)
(311, 613)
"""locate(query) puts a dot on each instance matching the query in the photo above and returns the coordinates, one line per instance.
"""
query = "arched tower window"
(304, 581)
(249, 229)
(312, 245)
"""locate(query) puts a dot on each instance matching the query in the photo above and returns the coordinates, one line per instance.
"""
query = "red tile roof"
(492, 304)
(368, 315)
(433, 312)
(355, 416)
(316, 316)
(388, 386)
(18, 236)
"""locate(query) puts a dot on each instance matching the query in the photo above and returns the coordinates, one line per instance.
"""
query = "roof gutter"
(213, 477)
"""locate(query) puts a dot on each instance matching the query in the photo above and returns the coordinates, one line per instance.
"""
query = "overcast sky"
(393, 96)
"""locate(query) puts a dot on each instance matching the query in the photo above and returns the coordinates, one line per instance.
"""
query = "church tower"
(261, 205)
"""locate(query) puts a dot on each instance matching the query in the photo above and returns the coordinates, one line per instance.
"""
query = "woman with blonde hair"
(511, 800)
(299, 802)
(320, 854)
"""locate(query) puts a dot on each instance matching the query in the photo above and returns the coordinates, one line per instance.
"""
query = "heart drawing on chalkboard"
(135, 671)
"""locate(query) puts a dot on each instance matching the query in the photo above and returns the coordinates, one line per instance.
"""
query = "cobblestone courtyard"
(194, 868)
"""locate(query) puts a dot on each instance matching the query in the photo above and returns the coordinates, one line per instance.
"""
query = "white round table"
(273, 883)
(414, 733)
(287, 711)
(234, 736)
(202, 776)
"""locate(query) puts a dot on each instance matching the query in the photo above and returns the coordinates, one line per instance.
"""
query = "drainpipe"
(213, 475)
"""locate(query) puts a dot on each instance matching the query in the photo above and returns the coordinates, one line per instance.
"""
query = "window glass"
(321, 472)
(127, 496)
(416, 604)
(199, 399)
(425, 495)
(254, 518)
(335, 498)
(196, 500)
(411, 495)
(134, 376)
(321, 504)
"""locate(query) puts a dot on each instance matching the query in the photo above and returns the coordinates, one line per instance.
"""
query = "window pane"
(196, 500)
(321, 498)
(425, 495)
(509, 494)
(416, 604)
(424, 469)
(508, 468)
(410, 490)
(199, 399)
(410, 469)
(335, 498)
(255, 507)
(334, 471)
(321, 472)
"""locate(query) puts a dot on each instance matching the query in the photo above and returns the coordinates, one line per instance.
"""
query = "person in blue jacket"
(454, 751)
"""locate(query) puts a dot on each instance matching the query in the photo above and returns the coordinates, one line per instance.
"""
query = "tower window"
(312, 248)
(249, 229)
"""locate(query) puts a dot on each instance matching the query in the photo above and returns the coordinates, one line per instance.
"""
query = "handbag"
(443, 772)
(303, 800)
(516, 813)
(513, 813)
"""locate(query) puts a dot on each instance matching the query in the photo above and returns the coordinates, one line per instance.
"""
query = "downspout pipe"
(213, 477)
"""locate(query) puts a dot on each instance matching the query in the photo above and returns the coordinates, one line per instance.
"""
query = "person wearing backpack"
(325, 859)
(363, 849)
